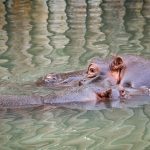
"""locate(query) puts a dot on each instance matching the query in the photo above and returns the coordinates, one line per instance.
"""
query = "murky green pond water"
(42, 36)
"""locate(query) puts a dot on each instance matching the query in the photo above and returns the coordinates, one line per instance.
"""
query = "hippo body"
(137, 72)
(20, 101)
(87, 96)
(92, 94)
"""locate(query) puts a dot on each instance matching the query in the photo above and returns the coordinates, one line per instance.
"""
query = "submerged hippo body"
(136, 74)
(91, 95)
(77, 95)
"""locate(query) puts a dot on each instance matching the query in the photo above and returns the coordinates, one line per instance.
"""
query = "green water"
(38, 37)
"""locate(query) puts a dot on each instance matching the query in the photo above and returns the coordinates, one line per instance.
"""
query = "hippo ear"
(117, 64)
(107, 93)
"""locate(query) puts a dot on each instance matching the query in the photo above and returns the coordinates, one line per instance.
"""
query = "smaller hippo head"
(103, 70)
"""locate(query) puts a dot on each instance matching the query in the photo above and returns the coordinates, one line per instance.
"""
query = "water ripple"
(38, 37)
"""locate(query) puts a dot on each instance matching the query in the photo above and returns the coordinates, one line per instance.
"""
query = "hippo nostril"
(54, 78)
(84, 80)
(80, 83)
(50, 77)
(122, 92)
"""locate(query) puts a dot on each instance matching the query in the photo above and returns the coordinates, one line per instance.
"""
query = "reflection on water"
(74, 129)
(38, 37)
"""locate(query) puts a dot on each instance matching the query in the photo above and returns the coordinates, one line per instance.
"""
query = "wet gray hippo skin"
(85, 94)
(61, 79)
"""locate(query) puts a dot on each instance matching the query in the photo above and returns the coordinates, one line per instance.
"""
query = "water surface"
(38, 37)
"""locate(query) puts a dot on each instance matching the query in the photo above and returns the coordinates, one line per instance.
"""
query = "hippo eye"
(93, 70)
(122, 91)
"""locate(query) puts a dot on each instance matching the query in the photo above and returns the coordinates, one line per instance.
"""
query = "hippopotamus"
(101, 82)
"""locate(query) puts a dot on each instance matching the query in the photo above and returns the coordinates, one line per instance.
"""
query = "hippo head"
(101, 71)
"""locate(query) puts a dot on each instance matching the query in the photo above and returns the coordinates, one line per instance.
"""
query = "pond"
(38, 37)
